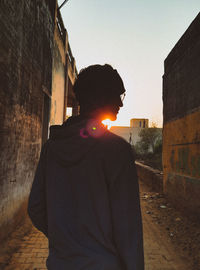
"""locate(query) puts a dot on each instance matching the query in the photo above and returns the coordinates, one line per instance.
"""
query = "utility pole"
(63, 4)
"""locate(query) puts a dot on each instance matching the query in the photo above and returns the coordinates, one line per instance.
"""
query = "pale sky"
(134, 36)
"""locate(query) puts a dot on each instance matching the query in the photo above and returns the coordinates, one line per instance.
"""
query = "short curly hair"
(96, 85)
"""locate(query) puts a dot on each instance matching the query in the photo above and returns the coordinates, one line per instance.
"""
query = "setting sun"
(107, 123)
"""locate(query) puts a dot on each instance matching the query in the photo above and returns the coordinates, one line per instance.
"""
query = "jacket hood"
(71, 141)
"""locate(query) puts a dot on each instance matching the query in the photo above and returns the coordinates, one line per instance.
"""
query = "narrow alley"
(161, 252)
(38, 89)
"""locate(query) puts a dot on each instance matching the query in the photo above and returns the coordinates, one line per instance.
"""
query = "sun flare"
(108, 123)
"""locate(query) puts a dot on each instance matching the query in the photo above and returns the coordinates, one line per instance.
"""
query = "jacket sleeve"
(126, 214)
(37, 198)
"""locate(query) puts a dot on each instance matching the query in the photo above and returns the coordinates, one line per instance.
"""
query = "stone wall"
(151, 177)
(27, 29)
(181, 131)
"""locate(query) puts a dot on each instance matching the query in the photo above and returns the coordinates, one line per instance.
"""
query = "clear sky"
(134, 36)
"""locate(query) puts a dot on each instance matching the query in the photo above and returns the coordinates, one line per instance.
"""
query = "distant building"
(131, 134)
(139, 123)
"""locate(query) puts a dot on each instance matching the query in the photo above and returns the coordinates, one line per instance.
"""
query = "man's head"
(98, 89)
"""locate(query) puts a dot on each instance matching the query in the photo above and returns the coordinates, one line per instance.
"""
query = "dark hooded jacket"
(85, 199)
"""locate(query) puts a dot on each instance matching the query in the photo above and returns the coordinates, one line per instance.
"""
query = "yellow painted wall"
(181, 160)
(58, 81)
(71, 74)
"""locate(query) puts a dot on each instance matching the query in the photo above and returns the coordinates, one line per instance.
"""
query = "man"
(85, 197)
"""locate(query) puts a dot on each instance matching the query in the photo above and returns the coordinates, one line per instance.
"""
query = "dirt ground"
(178, 232)
(171, 241)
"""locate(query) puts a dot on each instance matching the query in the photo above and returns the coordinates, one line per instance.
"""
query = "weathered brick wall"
(26, 29)
(181, 131)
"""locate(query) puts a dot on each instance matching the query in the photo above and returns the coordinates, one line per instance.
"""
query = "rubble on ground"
(180, 229)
